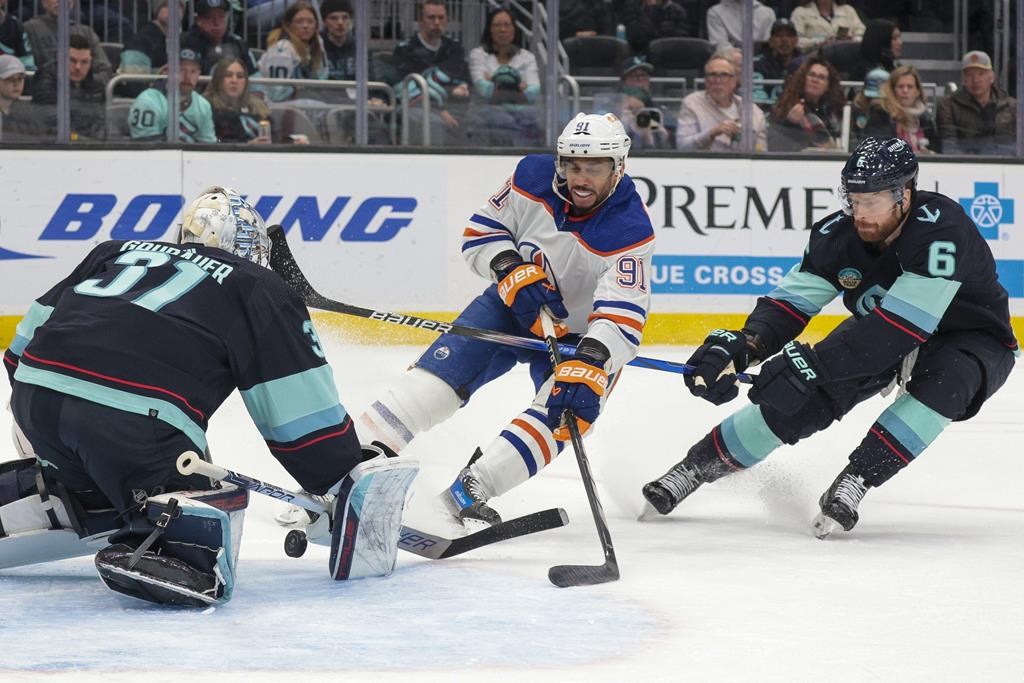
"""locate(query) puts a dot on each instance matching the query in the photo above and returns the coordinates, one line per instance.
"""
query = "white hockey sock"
(521, 450)
(416, 403)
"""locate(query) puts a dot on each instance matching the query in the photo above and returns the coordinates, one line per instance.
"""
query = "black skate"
(466, 500)
(669, 490)
(839, 503)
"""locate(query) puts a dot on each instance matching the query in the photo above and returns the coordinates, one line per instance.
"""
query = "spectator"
(209, 37)
(12, 37)
(294, 50)
(711, 119)
(643, 120)
(907, 107)
(725, 22)
(823, 21)
(442, 61)
(87, 95)
(41, 31)
(17, 123)
(870, 120)
(340, 45)
(584, 18)
(145, 52)
(979, 118)
(778, 59)
(807, 114)
(505, 86)
(650, 19)
(148, 115)
(237, 112)
(880, 48)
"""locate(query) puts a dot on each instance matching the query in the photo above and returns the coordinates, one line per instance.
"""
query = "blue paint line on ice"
(287, 615)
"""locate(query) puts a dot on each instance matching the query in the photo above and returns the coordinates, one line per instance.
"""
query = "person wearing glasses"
(808, 112)
(710, 119)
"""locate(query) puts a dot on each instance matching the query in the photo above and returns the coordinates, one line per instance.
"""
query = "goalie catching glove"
(787, 381)
(580, 383)
(526, 289)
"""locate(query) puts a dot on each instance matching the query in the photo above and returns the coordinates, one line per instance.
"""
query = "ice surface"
(731, 586)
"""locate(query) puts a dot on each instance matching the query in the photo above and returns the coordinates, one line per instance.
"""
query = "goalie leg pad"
(42, 524)
(188, 557)
(368, 518)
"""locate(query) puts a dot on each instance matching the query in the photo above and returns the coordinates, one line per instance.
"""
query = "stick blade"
(569, 575)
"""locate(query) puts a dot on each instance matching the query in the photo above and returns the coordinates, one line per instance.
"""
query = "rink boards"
(384, 230)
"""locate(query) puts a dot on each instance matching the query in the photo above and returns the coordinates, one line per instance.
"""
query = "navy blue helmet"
(878, 165)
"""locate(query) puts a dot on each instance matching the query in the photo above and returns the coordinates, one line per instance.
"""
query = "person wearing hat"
(979, 118)
(651, 19)
(12, 37)
(147, 118)
(145, 51)
(41, 31)
(709, 119)
(823, 21)
(870, 120)
(641, 117)
(210, 38)
(780, 56)
(17, 124)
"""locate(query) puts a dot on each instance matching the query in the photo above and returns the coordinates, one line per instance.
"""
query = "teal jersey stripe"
(748, 437)
(921, 300)
(26, 329)
(806, 291)
(913, 423)
(290, 407)
(115, 398)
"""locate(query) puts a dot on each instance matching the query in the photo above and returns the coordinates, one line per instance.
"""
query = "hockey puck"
(295, 543)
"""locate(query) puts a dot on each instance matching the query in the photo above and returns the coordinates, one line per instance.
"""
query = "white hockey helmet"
(594, 136)
(220, 217)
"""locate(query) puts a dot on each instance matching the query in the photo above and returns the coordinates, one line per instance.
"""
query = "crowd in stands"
(487, 91)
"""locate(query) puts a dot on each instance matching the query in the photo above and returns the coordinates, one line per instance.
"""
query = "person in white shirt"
(823, 21)
(725, 23)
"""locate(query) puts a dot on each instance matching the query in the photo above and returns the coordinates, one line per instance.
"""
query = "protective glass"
(594, 169)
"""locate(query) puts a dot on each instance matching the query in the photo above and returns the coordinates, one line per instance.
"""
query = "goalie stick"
(566, 575)
(411, 540)
(282, 262)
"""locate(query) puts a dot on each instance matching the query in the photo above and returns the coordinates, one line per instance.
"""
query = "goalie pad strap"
(44, 497)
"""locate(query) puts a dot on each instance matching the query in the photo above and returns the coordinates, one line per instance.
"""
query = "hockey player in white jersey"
(566, 234)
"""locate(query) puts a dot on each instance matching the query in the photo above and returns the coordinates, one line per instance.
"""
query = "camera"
(648, 118)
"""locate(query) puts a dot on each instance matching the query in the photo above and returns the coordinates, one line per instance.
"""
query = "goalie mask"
(221, 218)
(879, 170)
(591, 136)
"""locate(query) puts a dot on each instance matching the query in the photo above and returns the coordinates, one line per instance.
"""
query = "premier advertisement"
(384, 230)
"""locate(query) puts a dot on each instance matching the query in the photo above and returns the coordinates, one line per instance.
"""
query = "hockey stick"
(282, 262)
(411, 540)
(565, 575)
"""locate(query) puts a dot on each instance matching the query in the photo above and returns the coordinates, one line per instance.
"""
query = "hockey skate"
(839, 503)
(466, 500)
(666, 492)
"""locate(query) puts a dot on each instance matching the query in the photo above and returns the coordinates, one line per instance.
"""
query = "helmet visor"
(869, 203)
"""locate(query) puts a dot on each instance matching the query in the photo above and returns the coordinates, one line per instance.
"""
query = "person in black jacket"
(209, 37)
(808, 112)
(584, 18)
(237, 112)
(88, 97)
(646, 20)
(442, 61)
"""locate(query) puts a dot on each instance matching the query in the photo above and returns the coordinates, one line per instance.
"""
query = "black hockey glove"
(712, 379)
(788, 380)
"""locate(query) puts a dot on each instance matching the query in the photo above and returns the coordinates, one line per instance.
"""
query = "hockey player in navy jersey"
(566, 235)
(118, 369)
(929, 315)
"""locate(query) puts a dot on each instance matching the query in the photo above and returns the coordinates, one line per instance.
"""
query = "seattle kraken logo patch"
(850, 278)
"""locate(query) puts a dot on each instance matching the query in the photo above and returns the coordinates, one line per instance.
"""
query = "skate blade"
(649, 513)
(825, 526)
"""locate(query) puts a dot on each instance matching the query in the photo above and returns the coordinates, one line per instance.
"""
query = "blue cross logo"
(988, 210)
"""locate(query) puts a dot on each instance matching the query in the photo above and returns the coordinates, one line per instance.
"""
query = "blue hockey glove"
(788, 380)
(712, 379)
(579, 385)
(526, 289)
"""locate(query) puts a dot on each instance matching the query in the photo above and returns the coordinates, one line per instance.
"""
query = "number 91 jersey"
(170, 330)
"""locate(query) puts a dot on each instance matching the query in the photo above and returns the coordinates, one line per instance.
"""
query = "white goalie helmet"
(594, 136)
(220, 217)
